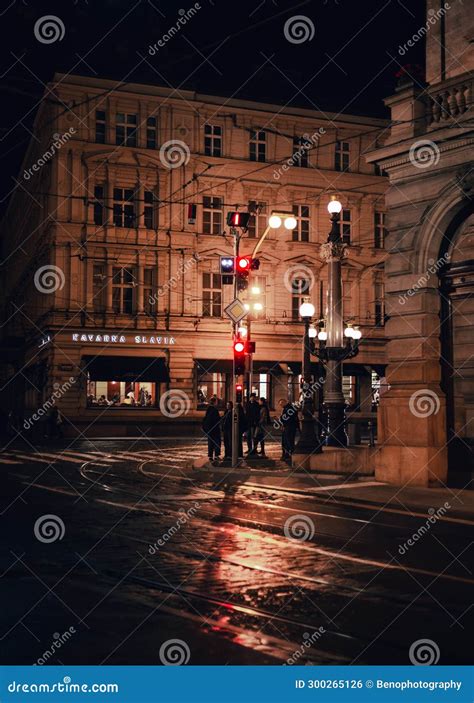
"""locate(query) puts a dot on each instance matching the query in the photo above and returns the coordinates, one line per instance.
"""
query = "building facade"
(112, 245)
(426, 419)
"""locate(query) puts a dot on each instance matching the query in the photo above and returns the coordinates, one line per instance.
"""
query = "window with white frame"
(258, 218)
(125, 129)
(212, 209)
(380, 230)
(149, 209)
(301, 231)
(301, 148)
(123, 287)
(151, 135)
(149, 290)
(100, 126)
(212, 140)
(258, 145)
(300, 288)
(124, 207)
(99, 287)
(345, 224)
(211, 295)
(342, 156)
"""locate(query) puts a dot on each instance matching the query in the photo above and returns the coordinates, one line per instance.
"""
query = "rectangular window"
(211, 295)
(123, 284)
(379, 305)
(379, 171)
(212, 140)
(258, 218)
(99, 287)
(301, 152)
(211, 215)
(380, 231)
(100, 126)
(208, 385)
(124, 207)
(125, 129)
(300, 290)
(151, 133)
(342, 156)
(99, 205)
(345, 226)
(258, 145)
(149, 290)
(301, 231)
(149, 209)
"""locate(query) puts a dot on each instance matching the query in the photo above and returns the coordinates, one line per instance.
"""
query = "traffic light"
(227, 265)
(243, 266)
(238, 393)
(239, 357)
(238, 219)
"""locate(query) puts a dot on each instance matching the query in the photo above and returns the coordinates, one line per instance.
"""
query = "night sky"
(227, 48)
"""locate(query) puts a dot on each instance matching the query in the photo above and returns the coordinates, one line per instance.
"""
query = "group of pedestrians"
(252, 423)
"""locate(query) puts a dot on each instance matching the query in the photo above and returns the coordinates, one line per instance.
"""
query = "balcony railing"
(449, 101)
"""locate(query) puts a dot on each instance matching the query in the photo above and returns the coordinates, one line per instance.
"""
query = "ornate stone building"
(112, 246)
(426, 419)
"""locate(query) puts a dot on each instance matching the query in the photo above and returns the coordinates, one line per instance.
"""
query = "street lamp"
(336, 341)
(308, 442)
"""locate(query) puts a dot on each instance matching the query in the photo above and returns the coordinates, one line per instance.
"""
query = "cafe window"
(149, 290)
(261, 386)
(209, 385)
(100, 126)
(257, 145)
(122, 394)
(211, 295)
(151, 133)
(125, 129)
(123, 286)
(349, 389)
(258, 218)
(124, 207)
(301, 231)
(99, 287)
(211, 215)
(212, 140)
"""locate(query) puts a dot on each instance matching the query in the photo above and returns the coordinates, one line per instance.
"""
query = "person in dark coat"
(227, 429)
(290, 423)
(252, 416)
(260, 430)
(212, 428)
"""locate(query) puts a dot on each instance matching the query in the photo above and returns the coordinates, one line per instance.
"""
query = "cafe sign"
(123, 339)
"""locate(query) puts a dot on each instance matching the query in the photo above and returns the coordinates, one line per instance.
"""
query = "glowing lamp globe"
(322, 335)
(307, 309)
(290, 222)
(274, 221)
(312, 332)
(356, 333)
(334, 207)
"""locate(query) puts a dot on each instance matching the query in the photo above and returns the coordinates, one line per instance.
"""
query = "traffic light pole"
(235, 412)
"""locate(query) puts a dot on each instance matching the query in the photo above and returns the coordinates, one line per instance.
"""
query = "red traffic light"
(244, 263)
(238, 219)
(238, 387)
(239, 346)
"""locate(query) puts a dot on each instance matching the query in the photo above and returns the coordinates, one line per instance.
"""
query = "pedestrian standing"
(260, 430)
(252, 416)
(55, 424)
(227, 424)
(290, 423)
(212, 428)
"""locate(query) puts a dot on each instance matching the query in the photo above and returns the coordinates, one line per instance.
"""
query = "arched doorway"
(457, 343)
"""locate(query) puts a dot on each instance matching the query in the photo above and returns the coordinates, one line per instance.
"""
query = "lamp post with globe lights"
(308, 442)
(336, 340)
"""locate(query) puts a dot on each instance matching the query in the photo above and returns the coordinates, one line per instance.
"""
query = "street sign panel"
(235, 311)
